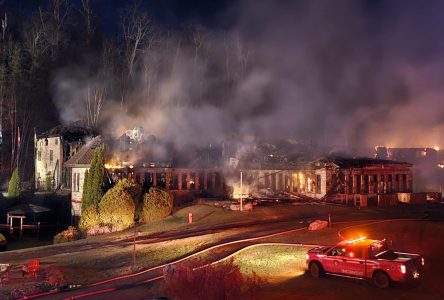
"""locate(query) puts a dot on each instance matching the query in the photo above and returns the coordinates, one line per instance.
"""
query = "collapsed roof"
(71, 132)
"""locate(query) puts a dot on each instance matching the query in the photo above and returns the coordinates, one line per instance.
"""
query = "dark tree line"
(69, 33)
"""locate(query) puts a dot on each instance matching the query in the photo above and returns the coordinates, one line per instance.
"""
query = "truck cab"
(365, 259)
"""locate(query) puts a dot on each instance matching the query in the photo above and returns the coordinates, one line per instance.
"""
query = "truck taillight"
(422, 261)
(403, 269)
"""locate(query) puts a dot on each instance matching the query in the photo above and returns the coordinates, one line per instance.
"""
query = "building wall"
(191, 179)
(48, 160)
(77, 179)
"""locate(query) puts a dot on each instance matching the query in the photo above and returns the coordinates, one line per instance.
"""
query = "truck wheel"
(381, 280)
(316, 270)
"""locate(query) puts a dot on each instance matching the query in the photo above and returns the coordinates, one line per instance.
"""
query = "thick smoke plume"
(348, 74)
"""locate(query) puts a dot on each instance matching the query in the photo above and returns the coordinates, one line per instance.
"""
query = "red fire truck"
(365, 259)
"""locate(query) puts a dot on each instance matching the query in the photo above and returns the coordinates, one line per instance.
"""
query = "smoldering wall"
(336, 73)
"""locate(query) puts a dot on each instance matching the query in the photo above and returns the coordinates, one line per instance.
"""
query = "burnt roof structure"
(360, 162)
(85, 155)
(71, 132)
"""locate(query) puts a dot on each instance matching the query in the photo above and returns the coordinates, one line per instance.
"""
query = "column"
(291, 182)
(205, 180)
(213, 180)
(179, 180)
(409, 183)
(354, 183)
(401, 183)
(188, 176)
(197, 180)
(362, 184)
(378, 183)
(169, 179)
(155, 178)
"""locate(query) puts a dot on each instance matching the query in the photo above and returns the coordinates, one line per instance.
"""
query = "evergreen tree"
(14, 185)
(97, 176)
(85, 192)
(92, 188)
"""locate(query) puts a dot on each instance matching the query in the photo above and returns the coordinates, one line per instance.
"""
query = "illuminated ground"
(417, 237)
(283, 267)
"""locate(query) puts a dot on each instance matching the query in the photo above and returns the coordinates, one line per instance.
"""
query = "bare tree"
(95, 97)
(200, 40)
(97, 91)
(136, 28)
(242, 54)
(34, 39)
(53, 22)
(4, 26)
(87, 13)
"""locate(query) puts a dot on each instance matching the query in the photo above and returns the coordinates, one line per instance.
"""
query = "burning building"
(427, 165)
(267, 171)
(52, 149)
(350, 181)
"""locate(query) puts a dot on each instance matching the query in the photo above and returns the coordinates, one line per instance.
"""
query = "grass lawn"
(273, 263)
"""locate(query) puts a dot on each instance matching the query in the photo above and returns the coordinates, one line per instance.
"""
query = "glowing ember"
(246, 191)
(114, 165)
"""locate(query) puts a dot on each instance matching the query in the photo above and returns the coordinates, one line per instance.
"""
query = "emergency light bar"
(356, 240)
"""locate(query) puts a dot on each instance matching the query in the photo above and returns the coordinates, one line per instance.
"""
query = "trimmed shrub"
(131, 187)
(14, 186)
(135, 190)
(116, 209)
(3, 242)
(157, 204)
(221, 281)
(90, 218)
(68, 235)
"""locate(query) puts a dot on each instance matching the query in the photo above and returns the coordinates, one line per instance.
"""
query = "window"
(318, 184)
(355, 252)
(51, 155)
(56, 141)
(39, 155)
(74, 181)
(337, 251)
(46, 142)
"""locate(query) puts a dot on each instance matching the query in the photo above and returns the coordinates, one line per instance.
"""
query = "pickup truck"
(365, 259)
